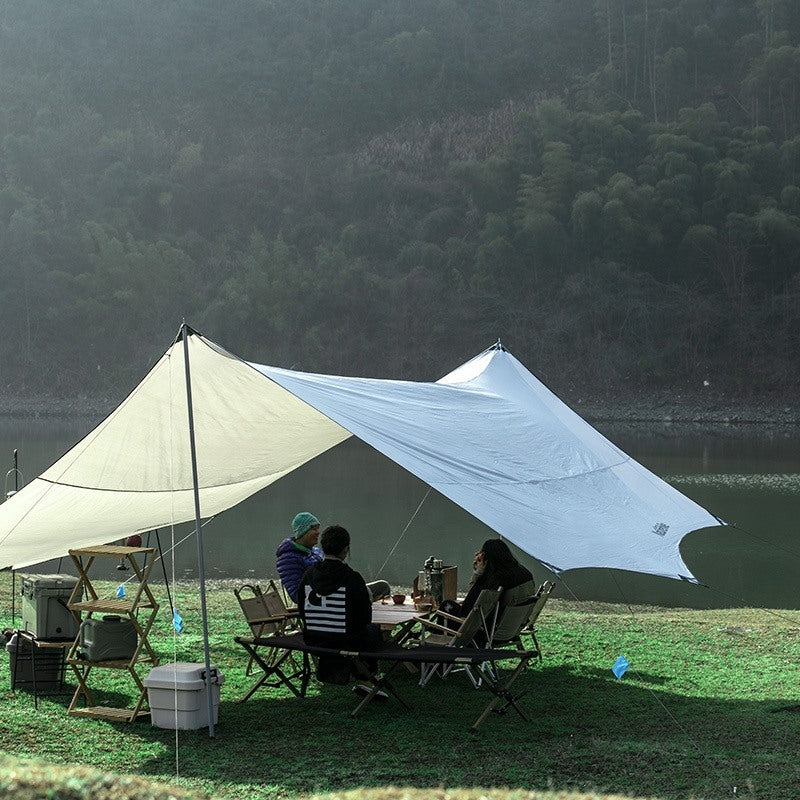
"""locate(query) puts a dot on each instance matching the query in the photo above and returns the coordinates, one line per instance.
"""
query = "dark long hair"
(502, 569)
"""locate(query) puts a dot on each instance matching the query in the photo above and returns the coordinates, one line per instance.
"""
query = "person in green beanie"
(298, 552)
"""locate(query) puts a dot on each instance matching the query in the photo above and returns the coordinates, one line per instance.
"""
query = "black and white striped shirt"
(334, 603)
(326, 613)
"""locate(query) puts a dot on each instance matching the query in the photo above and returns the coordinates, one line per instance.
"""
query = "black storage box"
(42, 670)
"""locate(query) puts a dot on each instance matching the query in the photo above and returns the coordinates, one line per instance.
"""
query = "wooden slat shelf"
(102, 712)
(108, 606)
(112, 664)
(141, 599)
(115, 550)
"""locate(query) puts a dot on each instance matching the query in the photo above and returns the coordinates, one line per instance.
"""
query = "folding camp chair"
(519, 616)
(480, 620)
(541, 598)
(266, 614)
(515, 619)
(284, 595)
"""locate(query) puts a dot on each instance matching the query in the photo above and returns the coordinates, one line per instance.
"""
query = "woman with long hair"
(494, 567)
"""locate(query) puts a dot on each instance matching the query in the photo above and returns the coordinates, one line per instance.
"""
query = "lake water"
(748, 476)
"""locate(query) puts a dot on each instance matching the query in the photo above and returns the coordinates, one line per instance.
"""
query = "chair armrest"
(449, 616)
(435, 625)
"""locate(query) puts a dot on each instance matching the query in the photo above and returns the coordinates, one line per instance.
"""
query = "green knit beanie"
(302, 523)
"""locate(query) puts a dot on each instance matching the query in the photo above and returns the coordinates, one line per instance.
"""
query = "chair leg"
(536, 646)
(475, 681)
(426, 672)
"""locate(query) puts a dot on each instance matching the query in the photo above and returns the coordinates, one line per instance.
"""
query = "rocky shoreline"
(647, 407)
(668, 408)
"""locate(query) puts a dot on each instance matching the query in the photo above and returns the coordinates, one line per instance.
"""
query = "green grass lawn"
(711, 702)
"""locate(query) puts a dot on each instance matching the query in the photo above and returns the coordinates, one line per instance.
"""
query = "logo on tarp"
(660, 528)
(620, 667)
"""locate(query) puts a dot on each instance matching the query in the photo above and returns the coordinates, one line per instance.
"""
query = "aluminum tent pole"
(201, 567)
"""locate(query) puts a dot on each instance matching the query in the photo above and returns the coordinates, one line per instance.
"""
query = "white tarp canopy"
(489, 436)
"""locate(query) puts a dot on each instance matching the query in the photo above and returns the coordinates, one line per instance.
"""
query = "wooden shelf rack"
(141, 608)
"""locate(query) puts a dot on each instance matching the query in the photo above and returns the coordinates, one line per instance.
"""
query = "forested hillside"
(612, 187)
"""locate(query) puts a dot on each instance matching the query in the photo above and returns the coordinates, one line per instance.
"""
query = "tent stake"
(201, 567)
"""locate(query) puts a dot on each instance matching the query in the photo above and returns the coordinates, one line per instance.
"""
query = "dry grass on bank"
(29, 779)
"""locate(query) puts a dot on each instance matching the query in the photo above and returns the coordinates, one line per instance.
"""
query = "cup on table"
(398, 599)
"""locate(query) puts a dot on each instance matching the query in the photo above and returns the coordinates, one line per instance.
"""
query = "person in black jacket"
(494, 567)
(334, 602)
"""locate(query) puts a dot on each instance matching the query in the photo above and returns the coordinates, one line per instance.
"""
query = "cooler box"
(177, 695)
(44, 606)
(110, 638)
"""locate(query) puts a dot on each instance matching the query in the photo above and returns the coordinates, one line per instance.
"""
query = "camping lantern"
(431, 580)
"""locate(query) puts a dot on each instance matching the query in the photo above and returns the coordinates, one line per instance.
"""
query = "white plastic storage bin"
(44, 606)
(177, 695)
